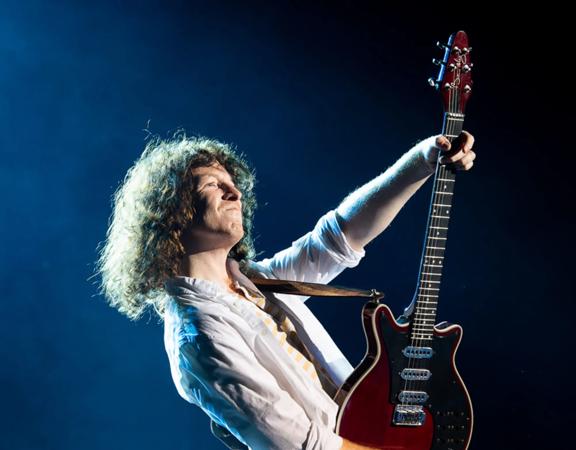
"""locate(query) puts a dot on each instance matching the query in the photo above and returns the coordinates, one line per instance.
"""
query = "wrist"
(426, 153)
(425, 156)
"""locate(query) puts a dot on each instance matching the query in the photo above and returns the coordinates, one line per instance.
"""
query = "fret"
(441, 204)
(445, 179)
(429, 289)
(428, 295)
(434, 256)
(419, 308)
(424, 314)
(432, 281)
(422, 337)
(440, 217)
(444, 193)
(441, 238)
(437, 248)
(422, 330)
(440, 228)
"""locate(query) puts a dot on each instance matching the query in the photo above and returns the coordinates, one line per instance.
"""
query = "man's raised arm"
(367, 211)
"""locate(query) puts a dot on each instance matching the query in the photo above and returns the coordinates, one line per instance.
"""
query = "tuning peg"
(441, 45)
(437, 62)
(432, 82)
(466, 50)
(467, 68)
(467, 89)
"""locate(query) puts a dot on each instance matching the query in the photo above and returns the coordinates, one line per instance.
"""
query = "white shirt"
(224, 359)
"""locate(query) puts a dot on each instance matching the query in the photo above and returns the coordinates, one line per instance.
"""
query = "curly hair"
(150, 210)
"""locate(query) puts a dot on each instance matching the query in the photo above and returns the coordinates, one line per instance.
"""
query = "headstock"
(454, 80)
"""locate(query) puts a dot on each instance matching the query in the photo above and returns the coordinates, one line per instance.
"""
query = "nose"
(232, 193)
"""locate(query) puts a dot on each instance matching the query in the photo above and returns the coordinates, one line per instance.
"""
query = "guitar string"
(436, 221)
(429, 253)
(421, 363)
(413, 363)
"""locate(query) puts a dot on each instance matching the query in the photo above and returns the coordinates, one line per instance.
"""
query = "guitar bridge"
(409, 415)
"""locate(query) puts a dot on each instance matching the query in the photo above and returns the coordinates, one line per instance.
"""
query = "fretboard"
(432, 262)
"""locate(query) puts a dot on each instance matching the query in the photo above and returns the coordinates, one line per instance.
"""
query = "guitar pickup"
(412, 396)
(415, 374)
(417, 352)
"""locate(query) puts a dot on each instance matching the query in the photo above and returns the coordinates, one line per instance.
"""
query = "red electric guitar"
(407, 393)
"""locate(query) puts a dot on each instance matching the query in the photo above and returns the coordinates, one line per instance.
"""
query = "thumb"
(443, 142)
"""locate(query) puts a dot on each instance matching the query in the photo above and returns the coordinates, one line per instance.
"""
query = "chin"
(237, 234)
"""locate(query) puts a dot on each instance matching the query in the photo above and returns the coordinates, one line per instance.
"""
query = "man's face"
(218, 218)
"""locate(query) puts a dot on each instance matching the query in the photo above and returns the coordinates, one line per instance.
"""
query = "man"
(260, 365)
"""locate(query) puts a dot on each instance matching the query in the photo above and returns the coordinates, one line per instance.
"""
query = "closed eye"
(213, 183)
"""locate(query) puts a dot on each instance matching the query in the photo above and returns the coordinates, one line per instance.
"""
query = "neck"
(207, 265)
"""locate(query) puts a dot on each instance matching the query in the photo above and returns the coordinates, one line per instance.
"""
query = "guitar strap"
(312, 289)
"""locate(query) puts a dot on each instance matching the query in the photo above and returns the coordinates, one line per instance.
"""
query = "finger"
(448, 159)
(465, 163)
(443, 143)
(466, 159)
(467, 140)
(466, 167)
(463, 143)
(464, 153)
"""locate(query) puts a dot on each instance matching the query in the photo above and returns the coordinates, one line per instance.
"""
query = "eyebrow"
(216, 175)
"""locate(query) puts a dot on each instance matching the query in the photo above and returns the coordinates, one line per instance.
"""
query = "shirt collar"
(211, 288)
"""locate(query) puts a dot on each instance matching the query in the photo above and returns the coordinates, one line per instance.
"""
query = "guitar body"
(369, 396)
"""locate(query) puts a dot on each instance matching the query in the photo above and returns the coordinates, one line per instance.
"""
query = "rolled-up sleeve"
(318, 256)
(222, 375)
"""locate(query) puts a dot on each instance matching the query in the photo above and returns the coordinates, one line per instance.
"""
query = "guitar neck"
(432, 261)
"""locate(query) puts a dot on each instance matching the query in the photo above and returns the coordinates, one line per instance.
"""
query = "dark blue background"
(322, 98)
